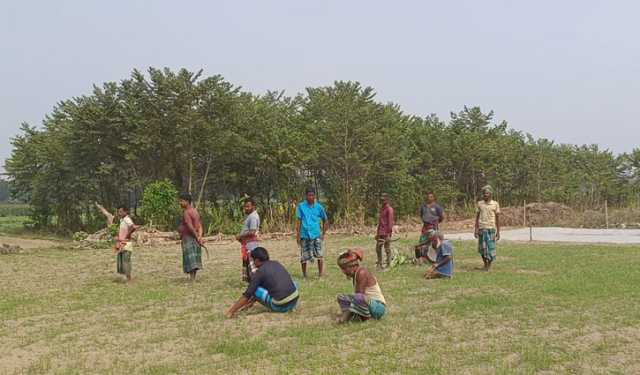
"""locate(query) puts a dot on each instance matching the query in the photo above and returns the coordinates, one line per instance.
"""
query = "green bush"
(160, 205)
(223, 218)
(14, 209)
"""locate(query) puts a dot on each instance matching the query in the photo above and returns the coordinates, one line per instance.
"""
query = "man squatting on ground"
(487, 227)
(124, 246)
(432, 214)
(190, 231)
(367, 300)
(248, 238)
(311, 228)
(271, 285)
(443, 266)
(386, 221)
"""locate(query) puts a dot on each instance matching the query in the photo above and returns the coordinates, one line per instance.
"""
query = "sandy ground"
(27, 243)
(616, 236)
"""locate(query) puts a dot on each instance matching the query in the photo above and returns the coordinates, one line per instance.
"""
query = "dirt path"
(27, 243)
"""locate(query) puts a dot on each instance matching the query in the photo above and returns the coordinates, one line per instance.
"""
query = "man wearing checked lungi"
(487, 228)
(124, 247)
(310, 230)
(367, 300)
(190, 231)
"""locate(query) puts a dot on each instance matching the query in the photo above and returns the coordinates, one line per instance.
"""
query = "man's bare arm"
(248, 234)
(108, 215)
(241, 303)
(324, 227)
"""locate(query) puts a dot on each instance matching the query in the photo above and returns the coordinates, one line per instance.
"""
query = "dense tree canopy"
(211, 138)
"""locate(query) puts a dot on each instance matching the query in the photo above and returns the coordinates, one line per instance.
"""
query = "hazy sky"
(565, 70)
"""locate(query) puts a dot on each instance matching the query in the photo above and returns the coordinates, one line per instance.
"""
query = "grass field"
(543, 309)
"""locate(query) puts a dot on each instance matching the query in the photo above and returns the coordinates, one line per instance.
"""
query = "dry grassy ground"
(544, 309)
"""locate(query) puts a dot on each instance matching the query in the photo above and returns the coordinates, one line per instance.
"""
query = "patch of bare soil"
(538, 214)
(27, 243)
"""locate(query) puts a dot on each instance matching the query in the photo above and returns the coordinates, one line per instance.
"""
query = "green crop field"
(543, 309)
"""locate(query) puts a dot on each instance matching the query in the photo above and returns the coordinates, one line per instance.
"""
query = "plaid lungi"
(124, 262)
(487, 244)
(361, 305)
(191, 255)
(310, 249)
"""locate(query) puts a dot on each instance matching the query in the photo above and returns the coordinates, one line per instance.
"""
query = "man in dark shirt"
(432, 214)
(271, 285)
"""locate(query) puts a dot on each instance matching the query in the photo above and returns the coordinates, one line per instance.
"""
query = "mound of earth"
(538, 214)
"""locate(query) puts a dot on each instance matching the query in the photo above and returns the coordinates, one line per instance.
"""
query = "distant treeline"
(210, 137)
(4, 191)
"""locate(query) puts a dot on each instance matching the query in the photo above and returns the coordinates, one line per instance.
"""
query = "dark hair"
(260, 253)
(186, 197)
(250, 200)
(124, 207)
(430, 192)
(310, 190)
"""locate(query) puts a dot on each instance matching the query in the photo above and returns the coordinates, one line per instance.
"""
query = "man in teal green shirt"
(310, 230)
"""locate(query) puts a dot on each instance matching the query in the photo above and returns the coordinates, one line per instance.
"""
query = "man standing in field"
(487, 228)
(190, 230)
(310, 230)
(386, 221)
(432, 214)
(124, 247)
(248, 238)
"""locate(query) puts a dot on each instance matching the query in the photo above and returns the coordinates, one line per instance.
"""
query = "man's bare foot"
(344, 317)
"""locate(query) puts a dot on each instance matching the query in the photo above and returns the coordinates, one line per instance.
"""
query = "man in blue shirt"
(443, 266)
(310, 230)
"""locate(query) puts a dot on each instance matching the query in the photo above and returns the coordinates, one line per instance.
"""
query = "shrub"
(160, 205)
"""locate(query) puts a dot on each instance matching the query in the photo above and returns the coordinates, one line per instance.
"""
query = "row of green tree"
(211, 138)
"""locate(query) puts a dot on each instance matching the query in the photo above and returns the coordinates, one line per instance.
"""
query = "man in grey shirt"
(248, 237)
(432, 214)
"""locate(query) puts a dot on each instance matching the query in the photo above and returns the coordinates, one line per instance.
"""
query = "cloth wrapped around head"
(350, 258)
(487, 189)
